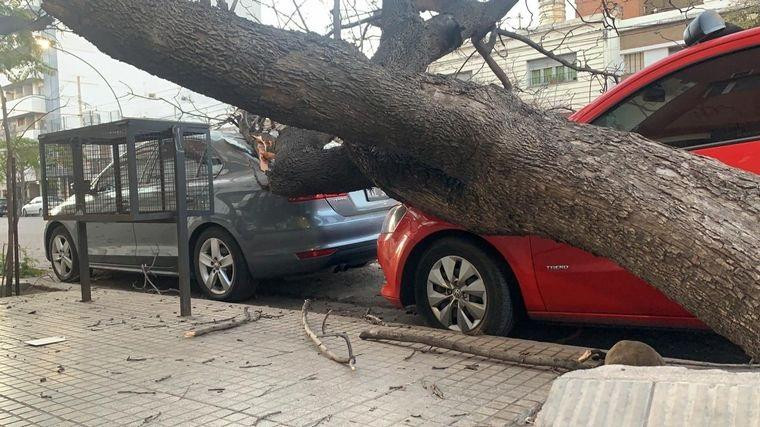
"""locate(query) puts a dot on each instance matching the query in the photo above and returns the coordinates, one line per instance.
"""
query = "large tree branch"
(485, 52)
(408, 44)
(475, 156)
(475, 18)
(304, 167)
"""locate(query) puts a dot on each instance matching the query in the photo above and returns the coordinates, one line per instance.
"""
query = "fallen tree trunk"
(475, 156)
(471, 345)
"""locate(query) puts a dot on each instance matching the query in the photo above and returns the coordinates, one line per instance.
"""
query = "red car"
(705, 99)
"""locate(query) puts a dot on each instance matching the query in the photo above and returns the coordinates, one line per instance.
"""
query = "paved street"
(125, 361)
(352, 292)
(31, 236)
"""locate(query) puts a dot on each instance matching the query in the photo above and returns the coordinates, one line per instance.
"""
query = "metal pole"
(183, 244)
(16, 270)
(84, 261)
(80, 190)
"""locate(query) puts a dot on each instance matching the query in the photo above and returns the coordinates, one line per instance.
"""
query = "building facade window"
(657, 6)
(546, 71)
(633, 62)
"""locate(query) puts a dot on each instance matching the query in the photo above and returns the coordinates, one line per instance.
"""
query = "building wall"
(586, 41)
(637, 42)
(626, 9)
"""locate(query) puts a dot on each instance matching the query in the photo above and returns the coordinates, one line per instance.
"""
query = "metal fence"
(124, 171)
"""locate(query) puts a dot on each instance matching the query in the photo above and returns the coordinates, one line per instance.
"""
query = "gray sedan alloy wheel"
(456, 293)
(60, 254)
(216, 265)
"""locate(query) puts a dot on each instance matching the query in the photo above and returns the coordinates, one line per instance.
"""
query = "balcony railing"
(28, 104)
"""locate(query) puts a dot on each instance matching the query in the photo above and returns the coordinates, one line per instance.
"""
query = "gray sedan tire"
(63, 255)
(459, 286)
(221, 271)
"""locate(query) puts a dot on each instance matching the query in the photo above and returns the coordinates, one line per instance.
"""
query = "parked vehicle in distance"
(34, 207)
(252, 233)
(3, 207)
(703, 99)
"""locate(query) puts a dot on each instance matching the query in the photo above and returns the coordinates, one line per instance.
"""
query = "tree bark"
(303, 167)
(9, 264)
(475, 156)
(473, 345)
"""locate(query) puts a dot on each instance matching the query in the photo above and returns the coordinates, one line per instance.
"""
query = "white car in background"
(34, 207)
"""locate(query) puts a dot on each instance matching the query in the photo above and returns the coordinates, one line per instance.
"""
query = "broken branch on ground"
(349, 360)
(233, 323)
(455, 342)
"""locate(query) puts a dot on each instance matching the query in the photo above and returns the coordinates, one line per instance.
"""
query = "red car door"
(574, 281)
(710, 108)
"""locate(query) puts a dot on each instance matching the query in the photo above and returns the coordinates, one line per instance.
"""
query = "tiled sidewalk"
(125, 362)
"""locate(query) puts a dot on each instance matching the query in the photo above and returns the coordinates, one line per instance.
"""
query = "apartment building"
(623, 38)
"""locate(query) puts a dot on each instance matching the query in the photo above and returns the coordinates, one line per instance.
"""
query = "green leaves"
(20, 51)
(27, 152)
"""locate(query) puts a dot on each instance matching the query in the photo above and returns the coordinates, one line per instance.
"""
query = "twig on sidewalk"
(350, 360)
(215, 321)
(432, 388)
(374, 320)
(255, 366)
(150, 419)
(234, 323)
(265, 416)
(320, 421)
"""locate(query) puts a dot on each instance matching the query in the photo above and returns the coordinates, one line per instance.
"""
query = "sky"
(78, 59)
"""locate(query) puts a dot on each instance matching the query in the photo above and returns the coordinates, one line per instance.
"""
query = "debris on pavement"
(232, 323)
(469, 345)
(265, 416)
(151, 370)
(45, 341)
(150, 419)
(432, 388)
(372, 319)
(350, 360)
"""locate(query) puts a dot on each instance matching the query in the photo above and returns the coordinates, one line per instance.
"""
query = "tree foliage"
(20, 51)
(27, 152)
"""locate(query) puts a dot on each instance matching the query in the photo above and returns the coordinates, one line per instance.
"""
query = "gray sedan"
(252, 234)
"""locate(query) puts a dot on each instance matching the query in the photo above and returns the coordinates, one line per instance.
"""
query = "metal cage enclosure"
(125, 171)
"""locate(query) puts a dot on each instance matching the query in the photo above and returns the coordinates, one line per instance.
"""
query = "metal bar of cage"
(117, 179)
(84, 256)
(183, 244)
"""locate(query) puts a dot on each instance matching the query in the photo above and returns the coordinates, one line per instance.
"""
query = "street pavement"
(125, 362)
(31, 237)
(352, 292)
(666, 396)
